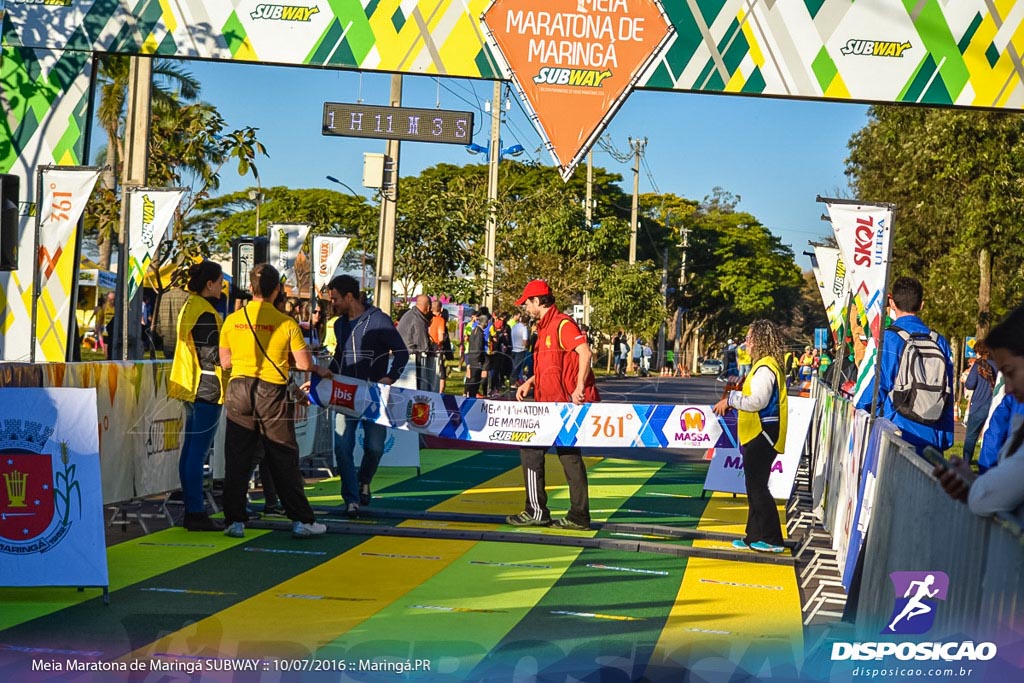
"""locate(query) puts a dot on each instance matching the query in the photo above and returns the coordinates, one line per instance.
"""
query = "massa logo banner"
(580, 56)
(875, 48)
(284, 12)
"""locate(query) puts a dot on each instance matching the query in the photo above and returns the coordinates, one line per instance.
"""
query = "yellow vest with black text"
(185, 369)
(749, 423)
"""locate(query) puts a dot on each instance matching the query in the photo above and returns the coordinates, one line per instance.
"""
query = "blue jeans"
(975, 423)
(374, 436)
(200, 426)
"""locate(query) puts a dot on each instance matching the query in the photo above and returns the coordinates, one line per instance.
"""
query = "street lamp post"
(361, 198)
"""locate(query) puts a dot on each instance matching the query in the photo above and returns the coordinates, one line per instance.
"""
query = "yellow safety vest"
(742, 356)
(749, 423)
(185, 370)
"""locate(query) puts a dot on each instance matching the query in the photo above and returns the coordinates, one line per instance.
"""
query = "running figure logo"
(916, 597)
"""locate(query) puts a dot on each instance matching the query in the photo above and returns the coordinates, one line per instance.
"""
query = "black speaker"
(10, 186)
(246, 252)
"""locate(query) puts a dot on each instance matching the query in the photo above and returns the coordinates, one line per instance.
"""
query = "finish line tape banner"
(51, 507)
(605, 425)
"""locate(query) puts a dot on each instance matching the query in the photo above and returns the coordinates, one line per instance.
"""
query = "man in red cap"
(561, 373)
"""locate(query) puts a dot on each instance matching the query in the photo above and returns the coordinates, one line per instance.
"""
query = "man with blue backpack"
(916, 374)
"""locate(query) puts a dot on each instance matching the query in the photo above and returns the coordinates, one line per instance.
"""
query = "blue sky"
(777, 155)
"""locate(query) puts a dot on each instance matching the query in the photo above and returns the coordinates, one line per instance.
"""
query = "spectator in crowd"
(638, 352)
(255, 345)
(165, 320)
(807, 364)
(616, 353)
(520, 334)
(562, 374)
(439, 343)
(476, 357)
(623, 354)
(414, 327)
(467, 329)
(367, 343)
(743, 360)
(104, 322)
(196, 380)
(729, 361)
(762, 423)
(981, 380)
(1000, 489)
(669, 368)
(925, 415)
(1004, 419)
(647, 354)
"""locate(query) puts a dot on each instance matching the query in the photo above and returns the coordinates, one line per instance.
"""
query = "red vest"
(556, 368)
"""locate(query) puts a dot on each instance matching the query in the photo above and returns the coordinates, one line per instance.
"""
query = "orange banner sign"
(574, 62)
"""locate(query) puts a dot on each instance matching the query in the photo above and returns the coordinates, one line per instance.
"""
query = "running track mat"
(475, 610)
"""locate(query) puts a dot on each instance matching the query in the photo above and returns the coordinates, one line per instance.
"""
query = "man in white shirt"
(520, 335)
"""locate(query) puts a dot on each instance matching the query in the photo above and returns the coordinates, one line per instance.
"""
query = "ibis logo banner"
(150, 213)
(579, 56)
(286, 240)
(327, 253)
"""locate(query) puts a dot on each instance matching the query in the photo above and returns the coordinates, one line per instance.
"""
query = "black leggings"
(762, 514)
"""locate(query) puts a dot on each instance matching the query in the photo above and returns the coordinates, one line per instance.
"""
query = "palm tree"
(172, 86)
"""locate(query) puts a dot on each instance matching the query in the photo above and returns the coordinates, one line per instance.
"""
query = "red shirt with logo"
(556, 363)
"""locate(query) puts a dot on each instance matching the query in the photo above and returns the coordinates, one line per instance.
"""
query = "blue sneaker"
(763, 547)
(740, 544)
(235, 530)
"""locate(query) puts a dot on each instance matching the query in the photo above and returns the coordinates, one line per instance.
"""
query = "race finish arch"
(579, 56)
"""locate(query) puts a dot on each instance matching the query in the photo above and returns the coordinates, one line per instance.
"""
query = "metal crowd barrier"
(916, 526)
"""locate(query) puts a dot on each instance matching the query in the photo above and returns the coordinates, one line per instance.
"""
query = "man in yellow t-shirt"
(255, 343)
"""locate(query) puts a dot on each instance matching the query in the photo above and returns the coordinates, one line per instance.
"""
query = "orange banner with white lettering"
(575, 62)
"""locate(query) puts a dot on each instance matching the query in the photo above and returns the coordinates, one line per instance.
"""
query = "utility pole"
(589, 211)
(136, 144)
(494, 156)
(682, 291)
(388, 213)
(638, 146)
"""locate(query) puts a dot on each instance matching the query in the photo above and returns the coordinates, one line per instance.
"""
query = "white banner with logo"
(604, 425)
(286, 240)
(65, 192)
(150, 213)
(864, 232)
(51, 506)
(327, 253)
(833, 285)
(725, 472)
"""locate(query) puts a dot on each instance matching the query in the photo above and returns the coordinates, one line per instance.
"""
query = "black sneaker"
(273, 509)
(364, 494)
(524, 518)
(566, 523)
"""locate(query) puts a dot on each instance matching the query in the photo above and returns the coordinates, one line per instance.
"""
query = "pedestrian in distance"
(414, 327)
(562, 373)
(370, 349)
(762, 405)
(981, 380)
(197, 381)
(255, 344)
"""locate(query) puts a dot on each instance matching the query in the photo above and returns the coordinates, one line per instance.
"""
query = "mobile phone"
(935, 457)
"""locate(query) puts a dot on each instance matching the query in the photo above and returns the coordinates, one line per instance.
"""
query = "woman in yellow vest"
(197, 381)
(762, 406)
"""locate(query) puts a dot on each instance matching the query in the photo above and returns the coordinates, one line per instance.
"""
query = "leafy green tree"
(629, 297)
(955, 179)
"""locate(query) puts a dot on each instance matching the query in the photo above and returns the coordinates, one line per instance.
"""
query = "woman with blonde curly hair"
(762, 406)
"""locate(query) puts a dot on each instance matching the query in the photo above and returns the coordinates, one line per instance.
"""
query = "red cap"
(533, 288)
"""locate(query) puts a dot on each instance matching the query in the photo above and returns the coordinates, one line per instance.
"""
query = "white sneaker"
(301, 530)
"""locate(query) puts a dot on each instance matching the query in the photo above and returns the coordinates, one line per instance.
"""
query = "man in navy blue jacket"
(905, 301)
(367, 345)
